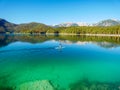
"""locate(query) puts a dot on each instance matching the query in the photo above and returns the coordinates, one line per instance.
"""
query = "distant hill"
(32, 28)
(6, 26)
(109, 22)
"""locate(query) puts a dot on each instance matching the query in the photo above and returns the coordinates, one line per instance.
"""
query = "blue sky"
(58, 11)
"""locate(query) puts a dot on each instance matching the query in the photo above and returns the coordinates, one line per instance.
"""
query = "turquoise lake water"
(63, 60)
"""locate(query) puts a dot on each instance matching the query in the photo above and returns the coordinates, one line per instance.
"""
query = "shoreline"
(118, 35)
(115, 35)
(105, 35)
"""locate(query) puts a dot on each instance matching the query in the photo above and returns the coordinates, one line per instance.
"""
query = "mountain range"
(6, 26)
(108, 22)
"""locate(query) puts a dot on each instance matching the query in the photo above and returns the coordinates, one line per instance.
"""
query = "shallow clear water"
(63, 60)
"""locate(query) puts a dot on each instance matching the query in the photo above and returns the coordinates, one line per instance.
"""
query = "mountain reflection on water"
(102, 41)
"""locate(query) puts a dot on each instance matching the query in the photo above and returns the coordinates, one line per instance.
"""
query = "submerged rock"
(36, 85)
(87, 85)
